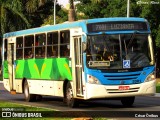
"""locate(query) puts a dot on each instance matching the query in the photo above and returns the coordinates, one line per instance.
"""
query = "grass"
(158, 88)
(4, 104)
(0, 77)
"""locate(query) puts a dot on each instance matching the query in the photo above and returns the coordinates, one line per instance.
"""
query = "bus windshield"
(119, 51)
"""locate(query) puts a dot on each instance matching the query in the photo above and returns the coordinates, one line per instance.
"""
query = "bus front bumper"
(95, 91)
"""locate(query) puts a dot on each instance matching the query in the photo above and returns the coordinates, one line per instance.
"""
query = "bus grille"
(122, 76)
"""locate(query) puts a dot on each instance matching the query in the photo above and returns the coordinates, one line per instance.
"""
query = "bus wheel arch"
(28, 97)
(23, 80)
(64, 90)
(68, 95)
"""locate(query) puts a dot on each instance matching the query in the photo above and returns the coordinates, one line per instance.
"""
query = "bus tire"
(71, 102)
(38, 97)
(28, 97)
(127, 101)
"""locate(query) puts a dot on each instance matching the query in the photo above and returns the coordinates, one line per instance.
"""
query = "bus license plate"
(124, 87)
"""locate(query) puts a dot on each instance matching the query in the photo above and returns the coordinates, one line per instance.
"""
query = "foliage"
(33, 5)
(158, 88)
(115, 8)
(151, 13)
(40, 11)
(61, 16)
(21, 14)
(11, 16)
(158, 37)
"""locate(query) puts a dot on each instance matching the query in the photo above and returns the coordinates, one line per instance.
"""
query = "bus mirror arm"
(84, 43)
(84, 46)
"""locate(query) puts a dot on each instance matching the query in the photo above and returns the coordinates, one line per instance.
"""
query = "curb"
(1, 81)
(157, 95)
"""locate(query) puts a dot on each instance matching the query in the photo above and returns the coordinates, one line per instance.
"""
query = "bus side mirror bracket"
(84, 43)
(84, 46)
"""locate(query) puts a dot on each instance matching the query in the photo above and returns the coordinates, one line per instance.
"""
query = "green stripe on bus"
(5, 69)
(51, 69)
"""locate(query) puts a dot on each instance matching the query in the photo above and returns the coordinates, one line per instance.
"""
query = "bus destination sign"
(116, 26)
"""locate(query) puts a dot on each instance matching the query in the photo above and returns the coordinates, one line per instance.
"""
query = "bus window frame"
(40, 46)
(64, 41)
(28, 47)
(5, 49)
(56, 44)
(19, 48)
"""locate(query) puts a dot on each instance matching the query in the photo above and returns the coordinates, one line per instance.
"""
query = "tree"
(71, 12)
(114, 8)
(61, 16)
(96, 1)
(151, 13)
(102, 8)
(37, 11)
(41, 12)
(33, 5)
(11, 16)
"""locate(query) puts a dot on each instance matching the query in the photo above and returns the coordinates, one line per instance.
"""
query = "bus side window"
(19, 48)
(40, 43)
(5, 49)
(28, 47)
(65, 43)
(52, 44)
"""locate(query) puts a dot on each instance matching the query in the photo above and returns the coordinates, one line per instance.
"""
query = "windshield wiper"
(131, 39)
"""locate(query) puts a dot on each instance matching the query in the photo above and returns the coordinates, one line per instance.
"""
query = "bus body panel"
(46, 76)
(44, 87)
(41, 69)
(68, 25)
(121, 78)
(105, 91)
(6, 84)
(41, 87)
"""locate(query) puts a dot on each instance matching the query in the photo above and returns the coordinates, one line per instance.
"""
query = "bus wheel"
(28, 97)
(71, 102)
(38, 97)
(127, 101)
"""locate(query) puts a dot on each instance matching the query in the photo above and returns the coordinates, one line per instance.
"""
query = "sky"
(63, 2)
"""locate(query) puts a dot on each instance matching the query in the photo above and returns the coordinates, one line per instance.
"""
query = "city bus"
(103, 58)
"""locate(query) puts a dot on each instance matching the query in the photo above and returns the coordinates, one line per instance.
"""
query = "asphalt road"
(142, 103)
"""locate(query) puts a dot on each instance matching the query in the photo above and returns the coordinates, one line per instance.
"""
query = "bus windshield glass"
(119, 51)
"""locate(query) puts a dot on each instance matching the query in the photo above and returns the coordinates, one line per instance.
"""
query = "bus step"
(80, 95)
(13, 92)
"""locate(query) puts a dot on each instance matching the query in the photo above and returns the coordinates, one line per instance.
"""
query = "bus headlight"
(151, 77)
(92, 80)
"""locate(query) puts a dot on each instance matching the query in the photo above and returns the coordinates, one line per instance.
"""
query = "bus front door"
(11, 55)
(77, 71)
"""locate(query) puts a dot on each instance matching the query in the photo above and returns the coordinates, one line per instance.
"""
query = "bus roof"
(67, 25)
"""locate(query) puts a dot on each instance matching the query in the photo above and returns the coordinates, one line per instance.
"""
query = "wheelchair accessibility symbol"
(126, 64)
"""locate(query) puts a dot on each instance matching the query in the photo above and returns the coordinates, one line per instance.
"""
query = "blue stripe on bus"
(69, 25)
(116, 78)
